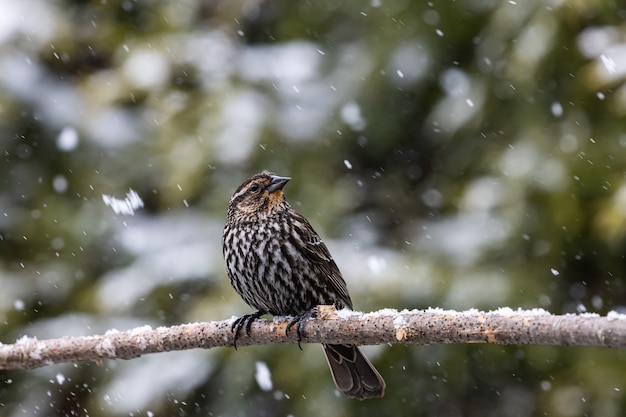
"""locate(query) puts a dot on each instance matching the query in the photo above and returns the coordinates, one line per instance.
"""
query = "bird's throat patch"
(275, 198)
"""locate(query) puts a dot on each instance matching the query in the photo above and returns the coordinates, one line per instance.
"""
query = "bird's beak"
(277, 183)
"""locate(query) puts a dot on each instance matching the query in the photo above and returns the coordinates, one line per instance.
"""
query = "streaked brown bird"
(279, 265)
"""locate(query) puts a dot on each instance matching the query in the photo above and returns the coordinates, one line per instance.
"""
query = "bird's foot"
(244, 322)
(299, 321)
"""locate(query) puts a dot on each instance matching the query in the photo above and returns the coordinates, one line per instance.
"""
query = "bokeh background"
(465, 154)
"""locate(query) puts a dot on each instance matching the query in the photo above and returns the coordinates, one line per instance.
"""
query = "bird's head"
(259, 195)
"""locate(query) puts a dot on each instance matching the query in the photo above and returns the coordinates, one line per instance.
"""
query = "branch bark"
(421, 327)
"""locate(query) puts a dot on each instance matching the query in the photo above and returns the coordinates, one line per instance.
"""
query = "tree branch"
(422, 327)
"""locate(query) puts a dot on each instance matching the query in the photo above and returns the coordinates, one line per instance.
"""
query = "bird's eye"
(254, 188)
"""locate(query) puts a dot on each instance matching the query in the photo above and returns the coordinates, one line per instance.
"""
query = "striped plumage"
(279, 265)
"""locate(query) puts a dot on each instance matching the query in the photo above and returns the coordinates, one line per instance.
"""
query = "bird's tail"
(353, 374)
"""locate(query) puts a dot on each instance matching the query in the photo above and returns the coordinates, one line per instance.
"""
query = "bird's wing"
(317, 252)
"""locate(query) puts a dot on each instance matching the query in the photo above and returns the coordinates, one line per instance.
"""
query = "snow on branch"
(422, 327)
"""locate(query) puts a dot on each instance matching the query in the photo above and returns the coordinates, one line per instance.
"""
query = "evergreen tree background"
(452, 154)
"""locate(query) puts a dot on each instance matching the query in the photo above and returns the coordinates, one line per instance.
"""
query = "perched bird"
(279, 265)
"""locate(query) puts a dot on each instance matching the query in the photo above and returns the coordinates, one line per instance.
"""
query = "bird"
(280, 266)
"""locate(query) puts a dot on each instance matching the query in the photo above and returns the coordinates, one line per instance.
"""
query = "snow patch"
(68, 139)
(508, 311)
(138, 335)
(25, 340)
(106, 348)
(387, 312)
(589, 315)
(609, 64)
(556, 109)
(345, 313)
(399, 322)
(376, 264)
(263, 376)
(35, 354)
(439, 310)
(126, 206)
(505, 311)
(614, 315)
(141, 329)
(60, 378)
(19, 305)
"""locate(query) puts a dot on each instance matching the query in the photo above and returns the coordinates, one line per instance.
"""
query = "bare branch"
(422, 327)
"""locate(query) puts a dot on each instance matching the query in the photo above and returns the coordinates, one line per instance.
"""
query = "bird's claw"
(244, 322)
(299, 322)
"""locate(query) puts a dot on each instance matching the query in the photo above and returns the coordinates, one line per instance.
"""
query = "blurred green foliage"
(453, 154)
